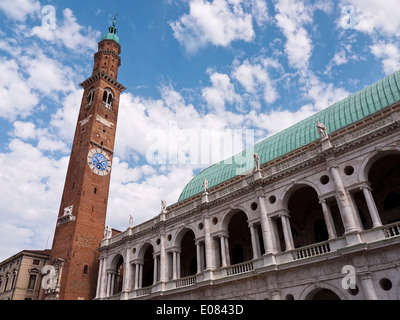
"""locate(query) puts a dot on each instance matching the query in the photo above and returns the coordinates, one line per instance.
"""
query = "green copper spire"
(112, 32)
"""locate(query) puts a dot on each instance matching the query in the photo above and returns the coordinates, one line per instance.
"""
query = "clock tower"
(81, 219)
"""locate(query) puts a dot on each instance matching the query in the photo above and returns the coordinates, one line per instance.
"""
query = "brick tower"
(81, 219)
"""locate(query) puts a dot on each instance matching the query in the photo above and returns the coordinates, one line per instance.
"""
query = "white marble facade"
(284, 232)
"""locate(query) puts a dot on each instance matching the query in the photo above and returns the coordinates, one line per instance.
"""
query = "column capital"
(111, 271)
(260, 192)
(365, 188)
(283, 213)
(332, 166)
(138, 261)
(223, 234)
(175, 250)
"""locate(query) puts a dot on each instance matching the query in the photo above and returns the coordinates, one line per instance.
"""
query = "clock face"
(99, 162)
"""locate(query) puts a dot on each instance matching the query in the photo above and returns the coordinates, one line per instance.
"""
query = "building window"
(90, 98)
(108, 99)
(85, 269)
(32, 282)
(13, 280)
(36, 262)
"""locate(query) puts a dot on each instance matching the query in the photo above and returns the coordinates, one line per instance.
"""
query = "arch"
(304, 207)
(382, 173)
(292, 188)
(148, 265)
(188, 256)
(142, 249)
(228, 214)
(91, 96)
(311, 291)
(181, 233)
(373, 158)
(236, 224)
(108, 97)
(117, 265)
(112, 263)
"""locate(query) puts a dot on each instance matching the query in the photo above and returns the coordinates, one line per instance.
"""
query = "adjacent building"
(21, 275)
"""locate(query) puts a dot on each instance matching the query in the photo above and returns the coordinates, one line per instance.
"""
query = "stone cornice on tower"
(102, 75)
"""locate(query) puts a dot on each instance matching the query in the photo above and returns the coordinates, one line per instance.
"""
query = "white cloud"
(254, 77)
(376, 17)
(259, 11)
(320, 93)
(65, 118)
(31, 183)
(19, 10)
(47, 75)
(291, 17)
(24, 130)
(221, 91)
(390, 55)
(17, 97)
(139, 191)
(217, 23)
(69, 33)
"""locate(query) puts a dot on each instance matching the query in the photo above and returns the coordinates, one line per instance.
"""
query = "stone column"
(228, 256)
(178, 264)
(128, 272)
(208, 244)
(198, 257)
(287, 232)
(373, 211)
(163, 261)
(346, 209)
(136, 275)
(174, 266)
(112, 283)
(223, 251)
(141, 274)
(254, 240)
(155, 269)
(99, 289)
(330, 225)
(108, 290)
(267, 230)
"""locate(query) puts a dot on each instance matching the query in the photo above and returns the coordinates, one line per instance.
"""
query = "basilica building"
(312, 214)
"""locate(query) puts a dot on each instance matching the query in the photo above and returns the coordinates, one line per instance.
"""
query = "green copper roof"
(112, 32)
(352, 109)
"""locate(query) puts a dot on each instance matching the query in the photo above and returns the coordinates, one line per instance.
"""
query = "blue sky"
(197, 66)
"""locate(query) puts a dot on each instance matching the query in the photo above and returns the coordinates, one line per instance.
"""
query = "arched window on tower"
(90, 97)
(108, 99)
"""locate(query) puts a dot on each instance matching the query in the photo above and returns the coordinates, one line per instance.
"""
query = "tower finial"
(115, 19)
